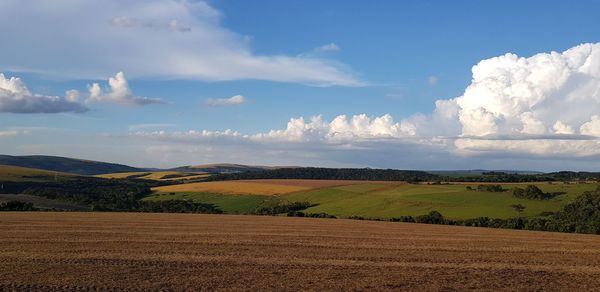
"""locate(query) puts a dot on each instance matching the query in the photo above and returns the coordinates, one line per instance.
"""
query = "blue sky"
(292, 59)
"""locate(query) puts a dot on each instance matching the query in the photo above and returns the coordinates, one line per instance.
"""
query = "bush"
(532, 192)
(434, 217)
(409, 219)
(283, 208)
(17, 206)
(490, 188)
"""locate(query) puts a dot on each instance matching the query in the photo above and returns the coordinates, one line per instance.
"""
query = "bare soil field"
(137, 251)
(261, 186)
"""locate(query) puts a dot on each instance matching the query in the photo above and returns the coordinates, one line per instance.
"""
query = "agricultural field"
(86, 251)
(374, 199)
(156, 175)
(257, 187)
(17, 173)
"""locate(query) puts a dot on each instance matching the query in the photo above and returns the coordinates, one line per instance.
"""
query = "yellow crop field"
(157, 175)
(256, 187)
(120, 174)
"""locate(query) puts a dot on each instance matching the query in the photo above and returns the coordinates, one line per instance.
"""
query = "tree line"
(331, 174)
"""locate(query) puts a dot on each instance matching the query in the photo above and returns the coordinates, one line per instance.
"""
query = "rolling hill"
(223, 168)
(64, 164)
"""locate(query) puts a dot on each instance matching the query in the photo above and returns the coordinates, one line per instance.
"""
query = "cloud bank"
(161, 39)
(544, 107)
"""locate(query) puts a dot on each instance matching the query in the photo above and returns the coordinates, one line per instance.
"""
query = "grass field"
(16, 173)
(176, 252)
(230, 204)
(375, 199)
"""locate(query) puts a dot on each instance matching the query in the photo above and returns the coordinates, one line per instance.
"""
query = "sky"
(432, 85)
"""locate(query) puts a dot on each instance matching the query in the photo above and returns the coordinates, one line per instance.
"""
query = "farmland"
(258, 187)
(120, 251)
(373, 199)
(156, 175)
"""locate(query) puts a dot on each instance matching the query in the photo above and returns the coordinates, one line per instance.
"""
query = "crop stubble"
(81, 251)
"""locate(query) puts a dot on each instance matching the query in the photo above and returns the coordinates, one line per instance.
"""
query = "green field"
(387, 201)
(231, 204)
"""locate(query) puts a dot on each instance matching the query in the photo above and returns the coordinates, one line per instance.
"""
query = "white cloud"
(126, 22)
(234, 100)
(15, 97)
(338, 130)
(330, 47)
(551, 94)
(592, 127)
(118, 92)
(160, 39)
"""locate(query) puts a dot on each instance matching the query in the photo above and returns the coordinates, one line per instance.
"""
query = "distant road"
(43, 203)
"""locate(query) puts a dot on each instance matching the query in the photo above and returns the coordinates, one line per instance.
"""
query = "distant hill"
(223, 168)
(63, 164)
(17, 173)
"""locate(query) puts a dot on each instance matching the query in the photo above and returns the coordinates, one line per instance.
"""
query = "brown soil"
(124, 251)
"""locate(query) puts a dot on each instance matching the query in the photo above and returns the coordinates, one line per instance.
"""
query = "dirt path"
(78, 251)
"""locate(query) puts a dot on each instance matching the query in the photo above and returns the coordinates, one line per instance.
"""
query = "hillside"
(17, 173)
(222, 168)
(64, 164)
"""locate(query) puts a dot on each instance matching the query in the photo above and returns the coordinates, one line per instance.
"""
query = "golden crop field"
(157, 175)
(141, 251)
(257, 187)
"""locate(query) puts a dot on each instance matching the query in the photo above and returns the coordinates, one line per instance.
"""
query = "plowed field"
(104, 251)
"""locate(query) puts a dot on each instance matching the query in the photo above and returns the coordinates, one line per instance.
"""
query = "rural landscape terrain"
(71, 226)
(285, 145)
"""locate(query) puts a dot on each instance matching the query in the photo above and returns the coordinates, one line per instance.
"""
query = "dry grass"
(257, 187)
(157, 175)
(119, 174)
(120, 251)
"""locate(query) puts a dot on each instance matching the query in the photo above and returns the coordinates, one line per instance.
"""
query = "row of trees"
(17, 206)
(331, 173)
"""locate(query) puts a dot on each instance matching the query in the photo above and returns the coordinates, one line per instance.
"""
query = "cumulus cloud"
(117, 92)
(234, 100)
(555, 95)
(339, 130)
(155, 38)
(15, 97)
